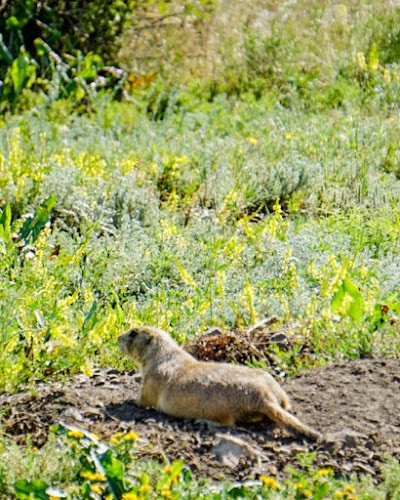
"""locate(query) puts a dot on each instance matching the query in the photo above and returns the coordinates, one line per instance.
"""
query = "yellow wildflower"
(131, 436)
(129, 496)
(167, 469)
(145, 489)
(93, 476)
(346, 493)
(322, 472)
(115, 439)
(269, 482)
(288, 137)
(373, 58)
(166, 493)
(96, 488)
(252, 140)
(75, 434)
(307, 493)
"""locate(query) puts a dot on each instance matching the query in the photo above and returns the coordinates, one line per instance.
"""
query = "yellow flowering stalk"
(361, 63)
(322, 473)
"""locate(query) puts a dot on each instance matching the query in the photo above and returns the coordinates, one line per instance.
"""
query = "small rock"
(73, 413)
(347, 467)
(213, 330)
(347, 438)
(113, 371)
(279, 338)
(370, 444)
(229, 450)
(364, 468)
(262, 324)
(298, 448)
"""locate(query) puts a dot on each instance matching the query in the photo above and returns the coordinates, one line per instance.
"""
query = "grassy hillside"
(221, 213)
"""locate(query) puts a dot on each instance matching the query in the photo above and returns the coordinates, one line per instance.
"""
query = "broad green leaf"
(91, 317)
(357, 307)
(114, 470)
(43, 211)
(377, 318)
(5, 221)
(91, 64)
(32, 226)
(22, 72)
(238, 492)
(31, 490)
(321, 491)
(337, 298)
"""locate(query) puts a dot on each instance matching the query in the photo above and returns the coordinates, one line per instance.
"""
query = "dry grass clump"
(233, 43)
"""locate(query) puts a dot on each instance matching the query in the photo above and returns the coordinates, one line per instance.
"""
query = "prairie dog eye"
(133, 334)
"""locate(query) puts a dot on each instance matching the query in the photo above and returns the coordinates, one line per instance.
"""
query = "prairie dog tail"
(285, 419)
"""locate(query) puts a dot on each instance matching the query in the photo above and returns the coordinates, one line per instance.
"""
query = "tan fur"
(177, 384)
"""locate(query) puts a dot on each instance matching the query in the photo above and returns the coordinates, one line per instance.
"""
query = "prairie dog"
(177, 384)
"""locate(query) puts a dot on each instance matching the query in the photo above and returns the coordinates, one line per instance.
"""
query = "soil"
(354, 403)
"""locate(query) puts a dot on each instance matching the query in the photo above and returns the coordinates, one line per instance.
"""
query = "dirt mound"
(360, 396)
(254, 344)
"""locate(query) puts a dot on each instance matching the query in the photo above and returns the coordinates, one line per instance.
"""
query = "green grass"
(75, 465)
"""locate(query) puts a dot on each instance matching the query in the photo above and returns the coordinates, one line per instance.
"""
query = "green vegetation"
(221, 213)
(82, 467)
(266, 182)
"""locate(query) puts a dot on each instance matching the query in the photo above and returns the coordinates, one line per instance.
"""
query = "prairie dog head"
(142, 343)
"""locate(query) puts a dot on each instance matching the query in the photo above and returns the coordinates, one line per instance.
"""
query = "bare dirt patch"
(361, 396)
